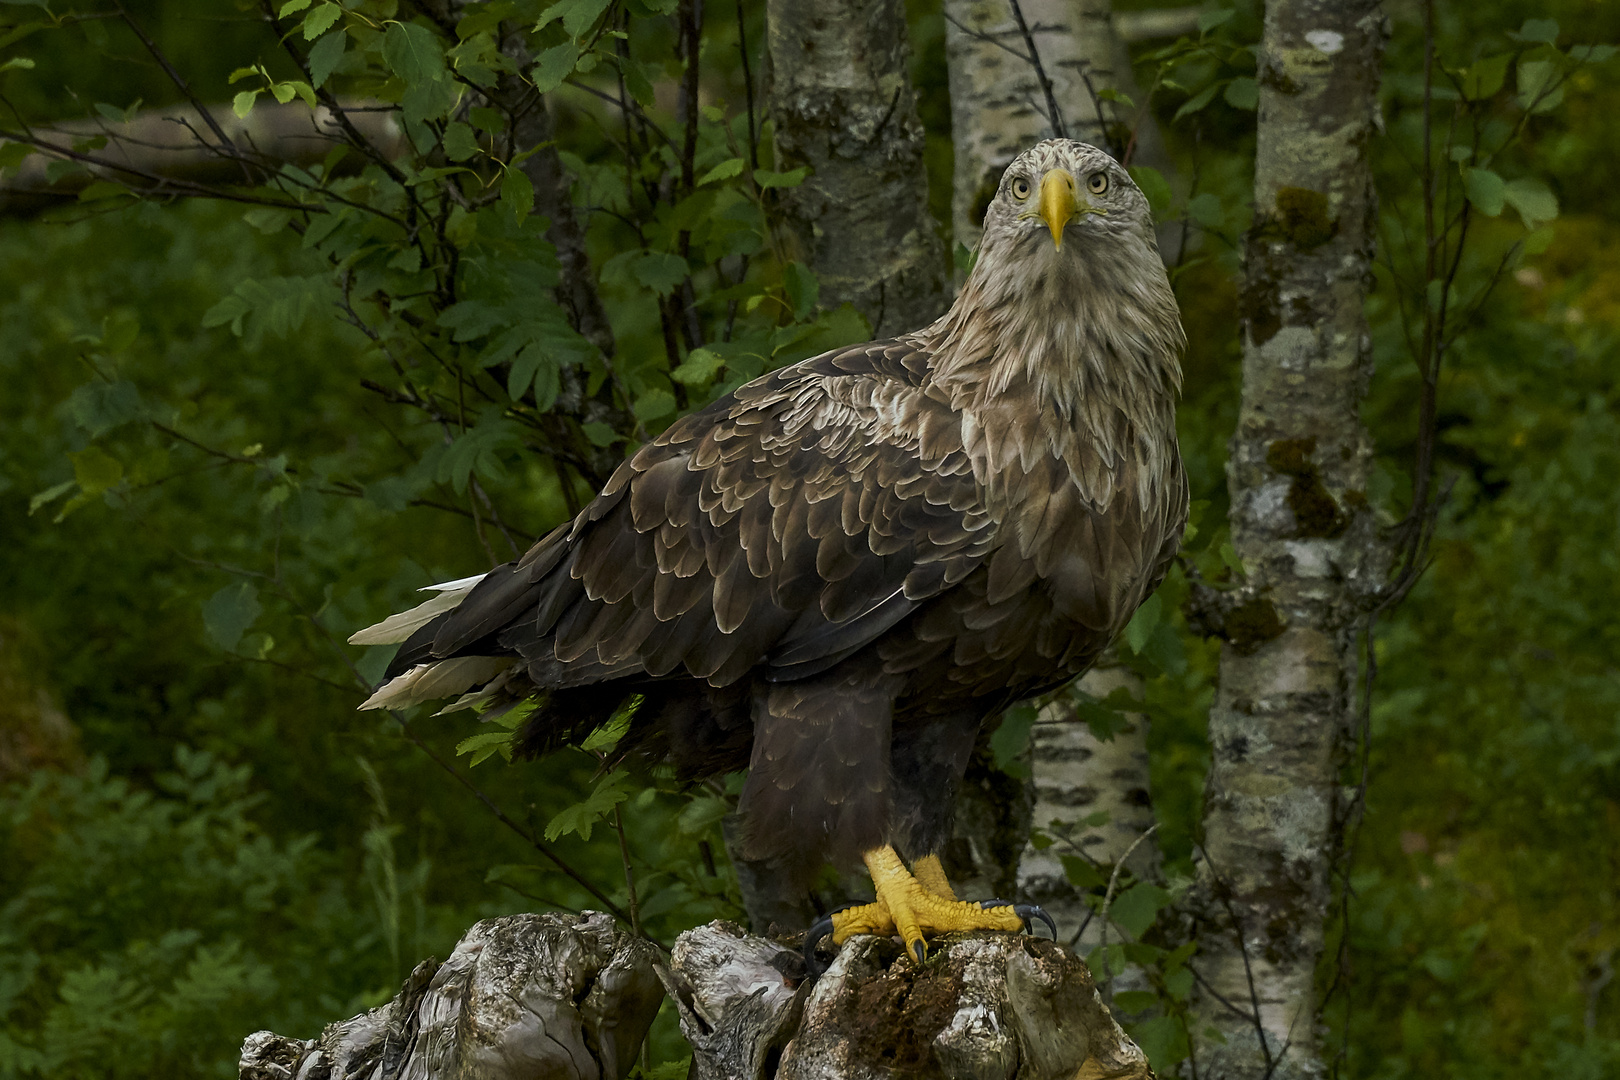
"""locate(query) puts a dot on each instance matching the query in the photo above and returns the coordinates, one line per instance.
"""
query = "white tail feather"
(486, 693)
(402, 625)
(440, 679)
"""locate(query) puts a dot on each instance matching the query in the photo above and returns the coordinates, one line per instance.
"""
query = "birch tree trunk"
(1077, 775)
(843, 105)
(998, 108)
(1301, 524)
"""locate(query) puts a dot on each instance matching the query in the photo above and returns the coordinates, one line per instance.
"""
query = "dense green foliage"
(199, 499)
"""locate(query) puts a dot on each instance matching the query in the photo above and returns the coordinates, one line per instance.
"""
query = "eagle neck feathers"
(1065, 358)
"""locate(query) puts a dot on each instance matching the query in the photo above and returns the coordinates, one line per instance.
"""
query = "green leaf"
(1010, 740)
(1536, 80)
(100, 407)
(553, 66)
(292, 7)
(96, 471)
(1534, 201)
(1142, 624)
(477, 450)
(1104, 718)
(325, 57)
(18, 63)
(1592, 54)
(1485, 190)
(413, 52)
(767, 179)
(577, 15)
(803, 289)
(1242, 93)
(103, 189)
(537, 366)
(1154, 186)
(1135, 1001)
(1196, 102)
(485, 745)
(582, 816)
(700, 815)
(1483, 79)
(517, 194)
(600, 433)
(320, 20)
(1082, 874)
(655, 404)
(1542, 30)
(699, 368)
(607, 736)
(242, 103)
(460, 143)
(964, 257)
(231, 310)
(723, 171)
(1539, 241)
(1135, 909)
(1163, 1039)
(1179, 984)
(1209, 20)
(660, 271)
(13, 154)
(229, 612)
(50, 495)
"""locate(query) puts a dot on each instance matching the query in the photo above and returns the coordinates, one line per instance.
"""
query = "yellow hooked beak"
(1059, 203)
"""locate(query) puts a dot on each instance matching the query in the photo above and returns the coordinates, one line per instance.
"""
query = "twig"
(1054, 114)
(226, 145)
(1113, 880)
(629, 872)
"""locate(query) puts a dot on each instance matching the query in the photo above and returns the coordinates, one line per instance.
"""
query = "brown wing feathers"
(787, 527)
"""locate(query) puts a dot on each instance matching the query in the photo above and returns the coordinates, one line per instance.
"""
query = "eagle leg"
(909, 908)
(931, 876)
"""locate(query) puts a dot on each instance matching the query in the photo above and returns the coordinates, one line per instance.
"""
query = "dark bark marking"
(1251, 624)
(1302, 218)
(1316, 513)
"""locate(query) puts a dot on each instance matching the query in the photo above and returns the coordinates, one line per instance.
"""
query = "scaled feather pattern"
(834, 575)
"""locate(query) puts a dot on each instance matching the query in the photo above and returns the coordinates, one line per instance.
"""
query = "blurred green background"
(200, 837)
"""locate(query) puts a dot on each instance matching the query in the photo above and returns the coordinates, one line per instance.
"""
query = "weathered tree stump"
(553, 996)
(983, 1007)
(562, 997)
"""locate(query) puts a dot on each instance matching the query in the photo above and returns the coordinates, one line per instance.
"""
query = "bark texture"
(984, 1006)
(843, 105)
(1076, 775)
(997, 105)
(1301, 524)
(158, 143)
(564, 997)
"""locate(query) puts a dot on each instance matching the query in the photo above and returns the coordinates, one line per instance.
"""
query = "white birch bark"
(842, 102)
(1077, 775)
(998, 109)
(1300, 522)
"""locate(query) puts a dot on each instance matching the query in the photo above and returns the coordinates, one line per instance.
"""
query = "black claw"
(818, 930)
(1028, 912)
(919, 950)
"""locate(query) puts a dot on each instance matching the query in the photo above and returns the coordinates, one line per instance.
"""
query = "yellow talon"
(908, 907)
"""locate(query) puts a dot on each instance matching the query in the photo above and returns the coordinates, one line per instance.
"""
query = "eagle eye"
(1097, 183)
(1020, 188)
